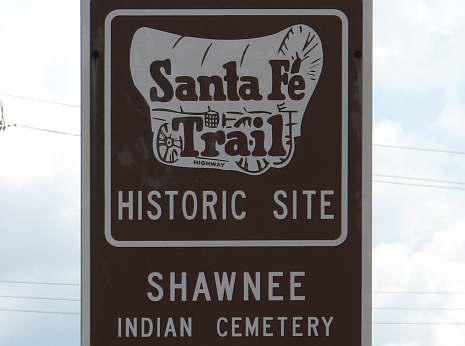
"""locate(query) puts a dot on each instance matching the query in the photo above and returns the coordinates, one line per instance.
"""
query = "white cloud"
(448, 335)
(435, 267)
(418, 44)
(404, 343)
(451, 121)
(39, 172)
(42, 52)
(419, 238)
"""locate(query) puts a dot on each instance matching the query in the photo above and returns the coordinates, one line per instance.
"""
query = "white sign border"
(229, 243)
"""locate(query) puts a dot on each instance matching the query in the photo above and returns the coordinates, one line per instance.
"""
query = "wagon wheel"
(254, 166)
(168, 145)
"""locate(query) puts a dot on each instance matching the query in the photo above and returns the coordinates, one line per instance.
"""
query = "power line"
(42, 100)
(419, 179)
(40, 312)
(375, 145)
(39, 283)
(374, 308)
(66, 313)
(421, 292)
(419, 185)
(375, 175)
(418, 309)
(434, 150)
(420, 323)
(46, 130)
(42, 298)
(402, 147)
(48, 283)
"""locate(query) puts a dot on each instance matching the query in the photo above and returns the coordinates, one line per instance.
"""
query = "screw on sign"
(220, 197)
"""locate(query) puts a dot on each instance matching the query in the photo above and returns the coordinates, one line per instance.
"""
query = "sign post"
(226, 172)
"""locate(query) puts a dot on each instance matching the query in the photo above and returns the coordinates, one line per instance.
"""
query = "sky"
(418, 232)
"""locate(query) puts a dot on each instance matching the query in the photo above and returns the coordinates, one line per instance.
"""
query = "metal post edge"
(367, 172)
(85, 173)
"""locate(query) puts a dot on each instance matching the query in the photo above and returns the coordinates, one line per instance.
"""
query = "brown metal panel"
(317, 151)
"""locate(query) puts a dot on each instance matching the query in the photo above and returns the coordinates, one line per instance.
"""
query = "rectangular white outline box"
(229, 243)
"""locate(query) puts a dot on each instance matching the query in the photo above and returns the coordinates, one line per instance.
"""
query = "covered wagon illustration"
(234, 105)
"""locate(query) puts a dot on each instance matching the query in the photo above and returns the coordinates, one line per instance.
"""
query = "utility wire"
(419, 185)
(374, 292)
(374, 308)
(39, 283)
(42, 100)
(434, 150)
(40, 312)
(420, 323)
(402, 147)
(45, 130)
(375, 175)
(418, 309)
(419, 179)
(65, 313)
(42, 298)
(421, 292)
(375, 145)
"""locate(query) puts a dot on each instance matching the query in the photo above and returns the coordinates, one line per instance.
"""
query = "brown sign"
(226, 191)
